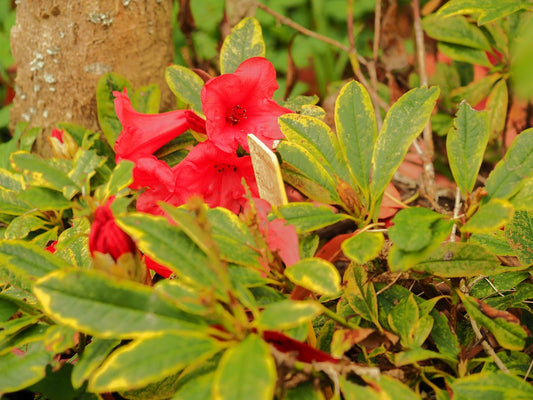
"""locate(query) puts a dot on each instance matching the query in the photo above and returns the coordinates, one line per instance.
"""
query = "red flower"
(52, 247)
(160, 183)
(142, 134)
(216, 176)
(241, 103)
(280, 237)
(56, 133)
(106, 237)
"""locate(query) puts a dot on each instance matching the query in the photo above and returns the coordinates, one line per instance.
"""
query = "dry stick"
(488, 348)
(375, 49)
(427, 154)
(456, 210)
(355, 59)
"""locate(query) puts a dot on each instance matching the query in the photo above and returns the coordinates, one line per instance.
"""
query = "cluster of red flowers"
(234, 106)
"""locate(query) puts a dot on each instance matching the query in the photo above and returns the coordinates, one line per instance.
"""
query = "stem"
(337, 318)
(456, 210)
(355, 59)
(427, 156)
(487, 347)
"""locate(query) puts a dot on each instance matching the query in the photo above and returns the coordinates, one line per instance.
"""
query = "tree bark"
(62, 47)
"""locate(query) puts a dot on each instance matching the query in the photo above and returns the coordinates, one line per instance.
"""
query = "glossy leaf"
(475, 91)
(363, 247)
(170, 246)
(497, 103)
(246, 372)
(519, 235)
(445, 340)
(490, 217)
(146, 99)
(402, 260)
(288, 314)
(316, 275)
(44, 199)
(459, 260)
(455, 29)
(186, 85)
(412, 229)
(93, 356)
(21, 371)
(105, 105)
(496, 385)
(96, 303)
(119, 179)
(357, 131)
(45, 173)
(361, 294)
(235, 241)
(148, 360)
(245, 41)
(308, 217)
(27, 261)
(21, 226)
(318, 139)
(465, 145)
(507, 178)
(487, 11)
(464, 54)
(403, 123)
(503, 325)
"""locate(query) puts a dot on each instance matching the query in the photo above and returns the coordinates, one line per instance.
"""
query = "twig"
(355, 59)
(456, 210)
(427, 155)
(488, 348)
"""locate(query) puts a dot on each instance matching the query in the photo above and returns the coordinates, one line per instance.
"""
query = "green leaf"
(453, 260)
(120, 179)
(487, 11)
(497, 103)
(182, 296)
(92, 357)
(146, 99)
(169, 245)
(502, 282)
(523, 200)
(464, 54)
(455, 29)
(45, 173)
(148, 360)
(519, 235)
(85, 164)
(105, 105)
(403, 123)
(288, 314)
(406, 322)
(245, 41)
(10, 203)
(318, 139)
(465, 146)
(357, 132)
(351, 390)
(363, 247)
(496, 243)
(27, 262)
(476, 91)
(96, 303)
(504, 326)
(508, 177)
(316, 275)
(496, 385)
(186, 85)
(44, 199)
(401, 260)
(445, 340)
(246, 372)
(361, 294)
(308, 217)
(21, 226)
(412, 229)
(302, 170)
(490, 217)
(19, 372)
(11, 181)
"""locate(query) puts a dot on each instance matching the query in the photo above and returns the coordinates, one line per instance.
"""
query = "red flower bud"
(106, 237)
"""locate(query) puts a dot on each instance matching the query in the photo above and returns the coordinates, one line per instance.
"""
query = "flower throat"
(236, 115)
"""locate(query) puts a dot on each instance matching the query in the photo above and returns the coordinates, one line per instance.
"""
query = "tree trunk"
(62, 47)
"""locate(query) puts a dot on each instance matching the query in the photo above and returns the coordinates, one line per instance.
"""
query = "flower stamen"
(236, 115)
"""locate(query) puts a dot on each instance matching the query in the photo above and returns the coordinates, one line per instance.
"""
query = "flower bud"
(112, 249)
(63, 145)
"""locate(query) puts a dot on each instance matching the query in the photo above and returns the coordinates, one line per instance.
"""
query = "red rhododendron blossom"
(52, 247)
(56, 133)
(241, 103)
(142, 134)
(281, 237)
(156, 267)
(216, 176)
(159, 182)
(106, 237)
